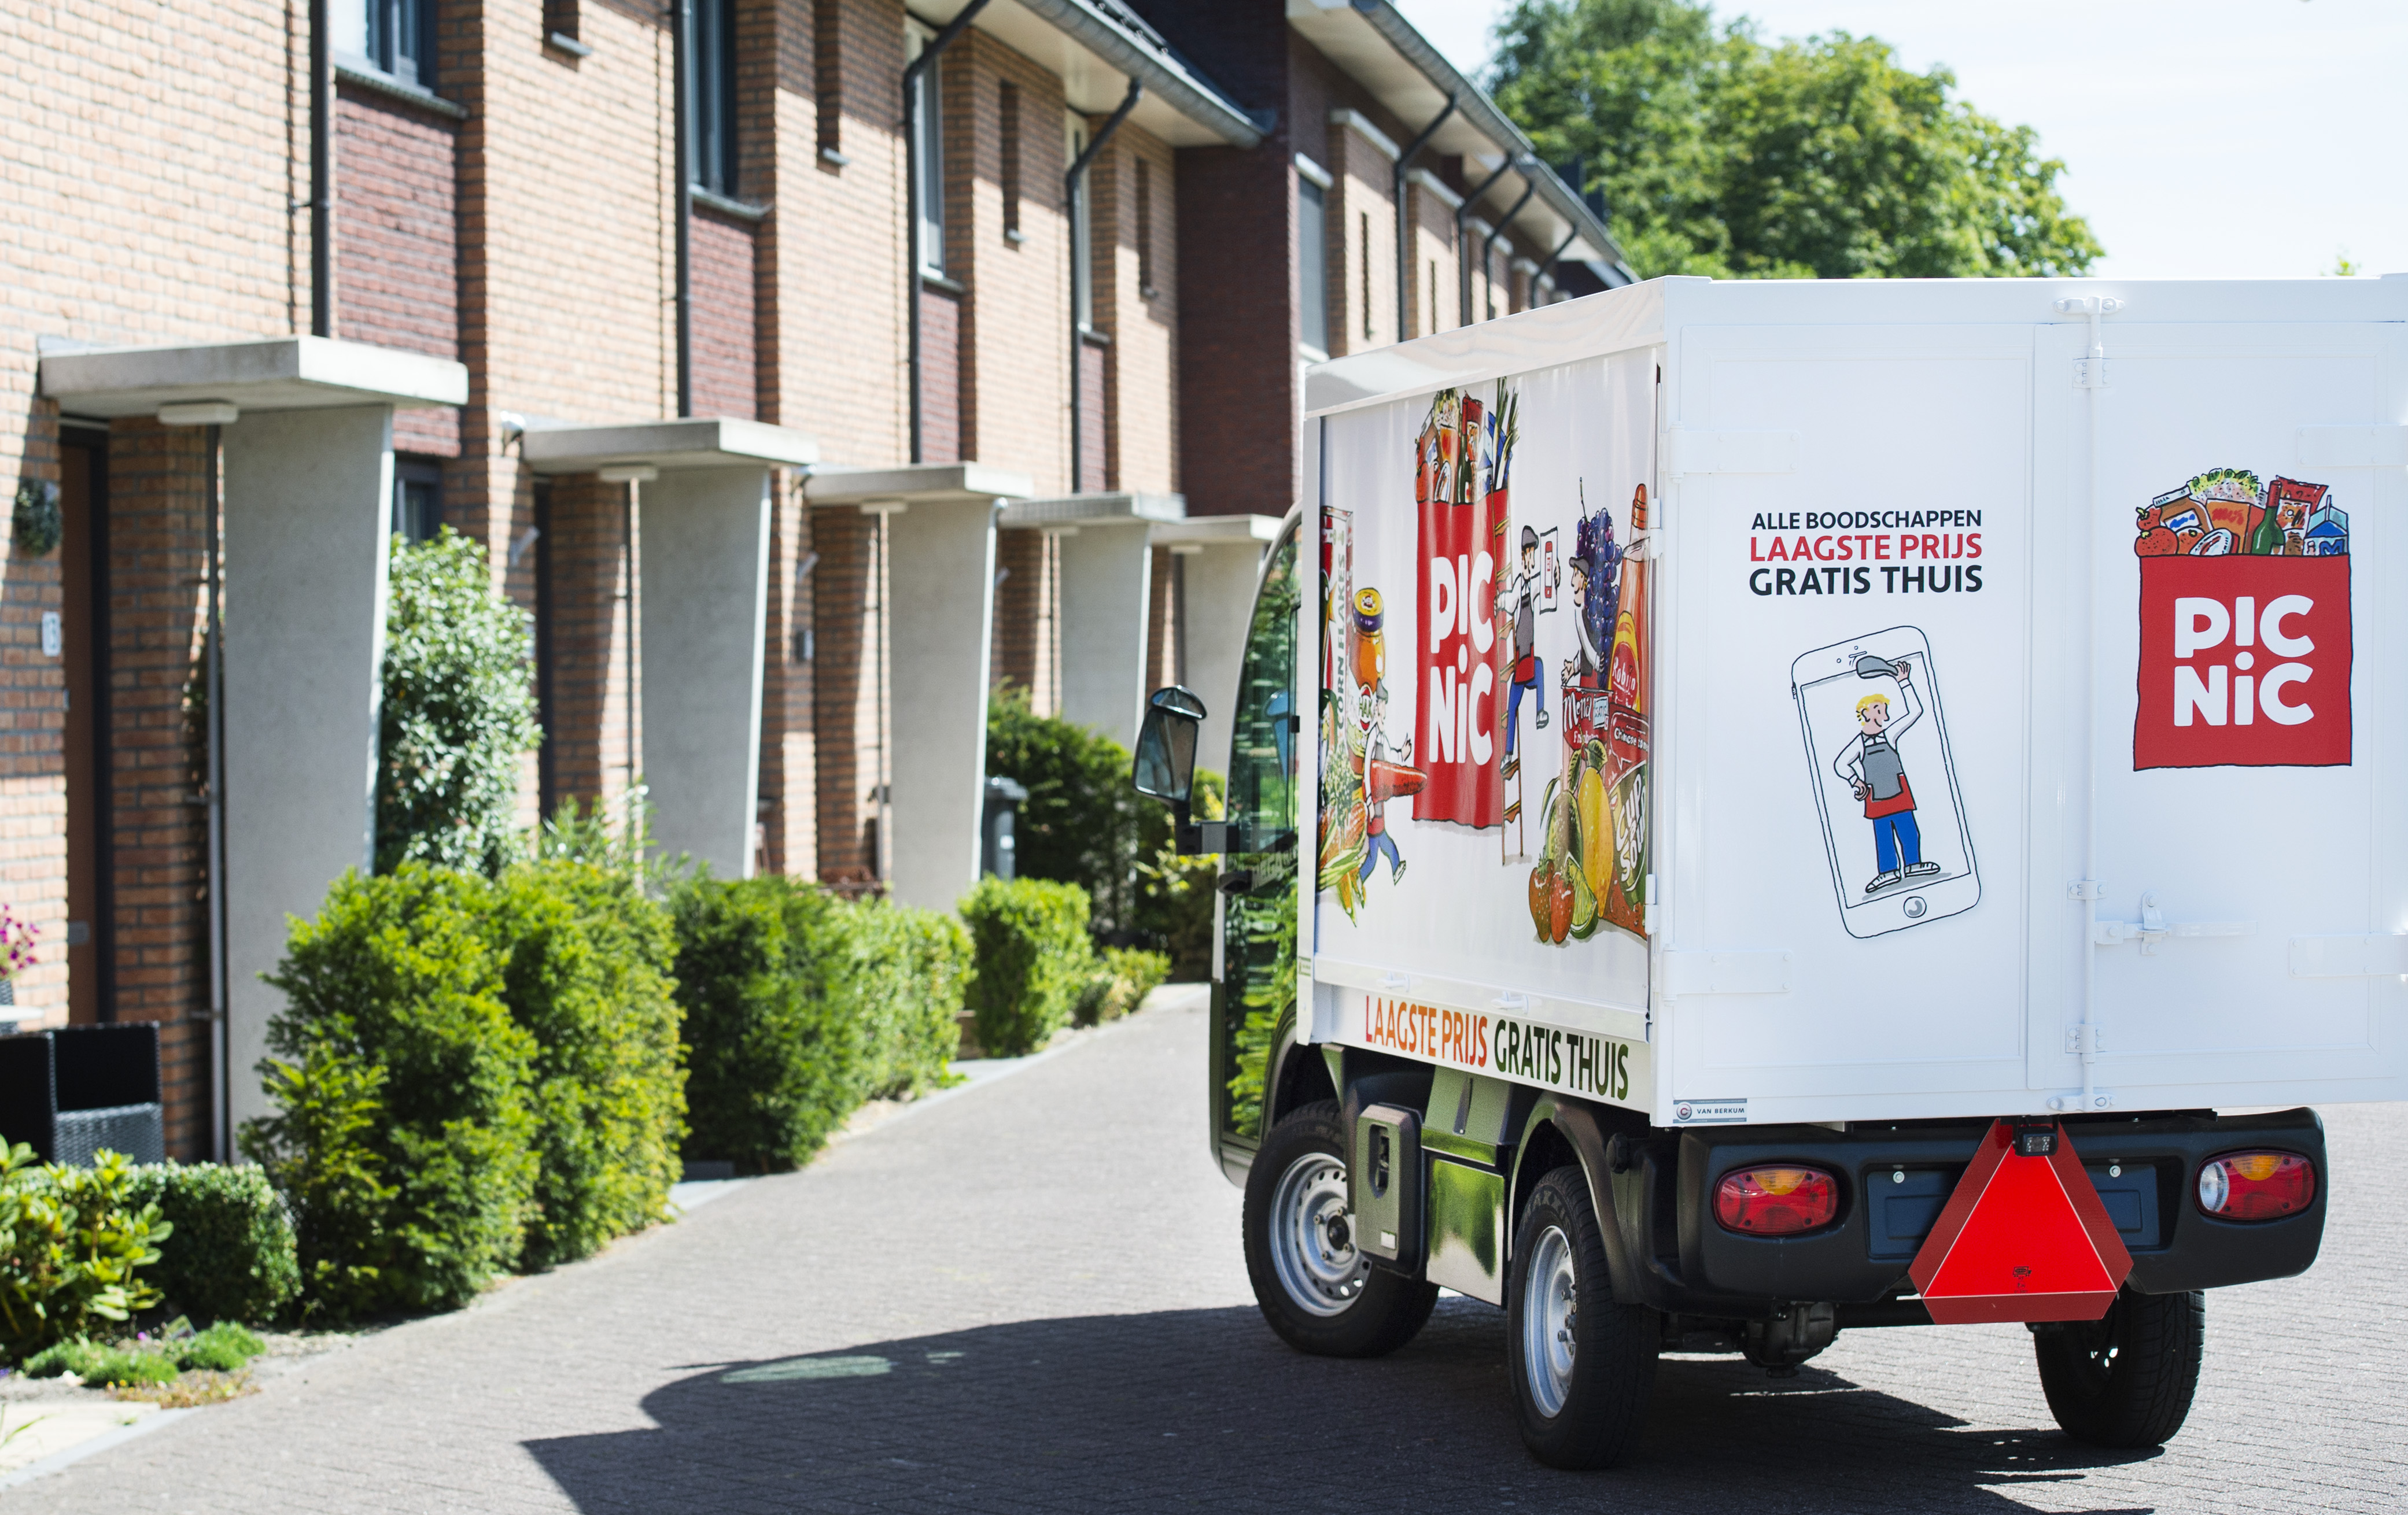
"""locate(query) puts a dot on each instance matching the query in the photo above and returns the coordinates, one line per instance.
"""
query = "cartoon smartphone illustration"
(1885, 783)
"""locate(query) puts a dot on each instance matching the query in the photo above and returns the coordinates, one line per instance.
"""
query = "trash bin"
(1004, 797)
(74, 1091)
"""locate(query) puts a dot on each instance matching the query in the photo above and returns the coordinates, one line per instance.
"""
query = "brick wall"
(944, 418)
(726, 372)
(1164, 657)
(1027, 639)
(594, 726)
(850, 695)
(156, 827)
(396, 249)
(789, 796)
(1140, 316)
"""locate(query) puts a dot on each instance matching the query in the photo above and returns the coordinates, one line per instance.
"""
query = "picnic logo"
(2245, 626)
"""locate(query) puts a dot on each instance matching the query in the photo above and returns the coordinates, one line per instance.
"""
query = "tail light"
(2256, 1186)
(1776, 1201)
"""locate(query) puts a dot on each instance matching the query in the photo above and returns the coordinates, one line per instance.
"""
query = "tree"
(1718, 153)
(458, 713)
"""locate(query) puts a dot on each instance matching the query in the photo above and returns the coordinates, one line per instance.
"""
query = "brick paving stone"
(1030, 1299)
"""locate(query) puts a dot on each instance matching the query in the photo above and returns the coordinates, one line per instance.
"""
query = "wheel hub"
(1549, 1320)
(1313, 1245)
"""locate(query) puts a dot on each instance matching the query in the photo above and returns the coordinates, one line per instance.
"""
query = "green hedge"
(1119, 984)
(471, 1076)
(405, 1137)
(587, 975)
(1033, 960)
(799, 1005)
(231, 1256)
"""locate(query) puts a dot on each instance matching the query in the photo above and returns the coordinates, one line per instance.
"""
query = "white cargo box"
(1751, 702)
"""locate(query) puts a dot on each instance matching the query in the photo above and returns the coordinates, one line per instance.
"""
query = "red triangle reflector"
(2022, 1239)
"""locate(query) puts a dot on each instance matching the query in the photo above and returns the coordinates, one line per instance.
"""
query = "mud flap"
(2021, 1239)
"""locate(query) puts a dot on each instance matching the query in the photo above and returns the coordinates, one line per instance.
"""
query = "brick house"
(629, 297)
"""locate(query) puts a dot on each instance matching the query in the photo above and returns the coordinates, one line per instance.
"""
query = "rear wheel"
(1582, 1366)
(1316, 1288)
(2125, 1379)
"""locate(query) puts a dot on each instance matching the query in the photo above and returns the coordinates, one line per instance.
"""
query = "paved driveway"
(1029, 1297)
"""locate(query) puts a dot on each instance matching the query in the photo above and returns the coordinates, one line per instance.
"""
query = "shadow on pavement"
(1206, 1407)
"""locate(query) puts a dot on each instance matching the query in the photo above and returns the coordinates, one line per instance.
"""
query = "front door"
(83, 488)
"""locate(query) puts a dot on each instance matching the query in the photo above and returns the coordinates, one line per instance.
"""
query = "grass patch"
(189, 1391)
(96, 1363)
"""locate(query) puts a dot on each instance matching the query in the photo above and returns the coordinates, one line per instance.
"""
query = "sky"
(2203, 138)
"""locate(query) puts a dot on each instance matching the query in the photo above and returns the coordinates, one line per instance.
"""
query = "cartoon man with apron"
(1870, 766)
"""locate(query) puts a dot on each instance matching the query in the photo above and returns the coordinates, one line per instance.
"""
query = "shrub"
(101, 1364)
(223, 1347)
(458, 710)
(231, 1256)
(799, 1005)
(1030, 941)
(405, 1141)
(1118, 985)
(72, 1241)
(1080, 823)
(585, 974)
(908, 994)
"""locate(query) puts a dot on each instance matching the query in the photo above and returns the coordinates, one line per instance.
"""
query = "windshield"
(1262, 751)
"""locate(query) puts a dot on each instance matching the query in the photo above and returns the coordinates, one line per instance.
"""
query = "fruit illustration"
(1596, 826)
(1538, 900)
(1559, 908)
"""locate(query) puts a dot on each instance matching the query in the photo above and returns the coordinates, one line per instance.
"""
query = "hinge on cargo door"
(2153, 928)
(2090, 373)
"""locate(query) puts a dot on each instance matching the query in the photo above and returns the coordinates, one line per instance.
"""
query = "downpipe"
(1074, 189)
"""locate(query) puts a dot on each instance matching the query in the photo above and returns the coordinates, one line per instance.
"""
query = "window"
(1145, 228)
(392, 37)
(417, 499)
(560, 21)
(1007, 149)
(714, 95)
(927, 144)
(1313, 265)
(827, 78)
(1082, 276)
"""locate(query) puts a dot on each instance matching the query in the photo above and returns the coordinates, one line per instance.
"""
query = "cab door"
(2242, 529)
(1254, 971)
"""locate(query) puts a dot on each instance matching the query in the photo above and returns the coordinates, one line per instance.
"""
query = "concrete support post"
(941, 579)
(309, 502)
(1220, 605)
(1106, 592)
(706, 584)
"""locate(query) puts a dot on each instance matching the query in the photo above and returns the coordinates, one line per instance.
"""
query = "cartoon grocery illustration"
(1592, 861)
(1872, 768)
(1358, 774)
(2245, 625)
(1483, 644)
(2226, 512)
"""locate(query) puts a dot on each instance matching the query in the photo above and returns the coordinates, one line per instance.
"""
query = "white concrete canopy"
(714, 442)
(307, 505)
(1223, 558)
(703, 593)
(276, 373)
(1107, 599)
(939, 594)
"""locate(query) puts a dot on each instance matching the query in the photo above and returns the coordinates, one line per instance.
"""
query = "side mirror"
(1165, 766)
(1166, 745)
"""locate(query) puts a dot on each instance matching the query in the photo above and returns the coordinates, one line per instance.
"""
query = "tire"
(1316, 1288)
(1581, 1365)
(2126, 1380)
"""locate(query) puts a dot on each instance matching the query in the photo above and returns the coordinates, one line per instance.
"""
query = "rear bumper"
(1893, 1182)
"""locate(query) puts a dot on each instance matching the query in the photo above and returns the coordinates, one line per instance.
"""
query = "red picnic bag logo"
(2245, 626)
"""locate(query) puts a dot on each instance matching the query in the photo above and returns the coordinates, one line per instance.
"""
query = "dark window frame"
(827, 80)
(1313, 265)
(417, 498)
(1144, 192)
(1007, 155)
(401, 40)
(715, 142)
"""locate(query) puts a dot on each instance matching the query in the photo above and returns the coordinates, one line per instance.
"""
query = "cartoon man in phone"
(1871, 766)
(1520, 599)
